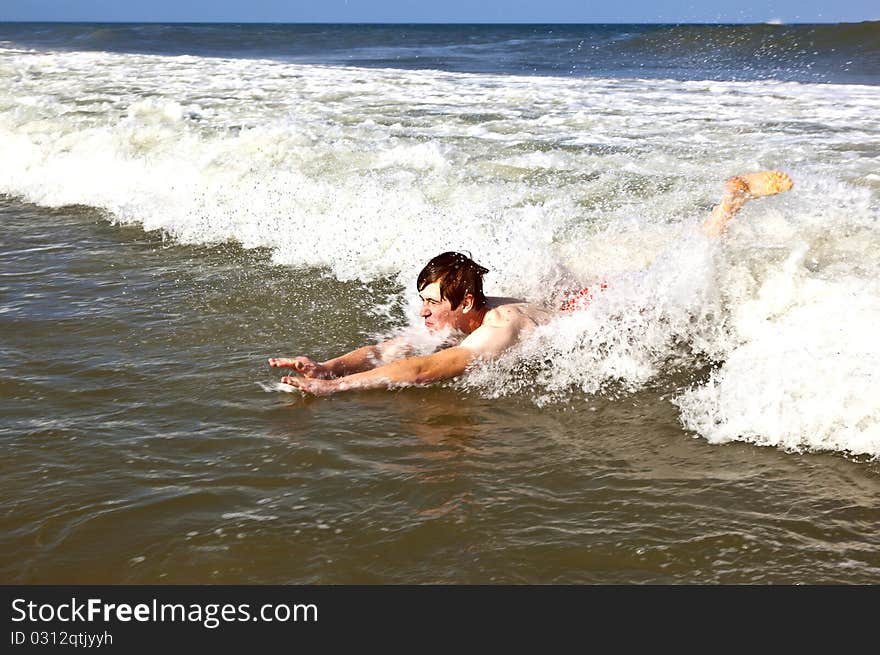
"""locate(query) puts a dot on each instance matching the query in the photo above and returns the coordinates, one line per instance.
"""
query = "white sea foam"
(273, 387)
(806, 370)
(552, 183)
(251, 516)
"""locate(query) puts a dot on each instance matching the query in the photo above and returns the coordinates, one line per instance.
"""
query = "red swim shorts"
(581, 299)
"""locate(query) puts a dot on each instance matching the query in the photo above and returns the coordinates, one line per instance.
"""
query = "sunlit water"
(169, 222)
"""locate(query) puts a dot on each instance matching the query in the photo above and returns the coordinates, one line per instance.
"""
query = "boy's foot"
(741, 189)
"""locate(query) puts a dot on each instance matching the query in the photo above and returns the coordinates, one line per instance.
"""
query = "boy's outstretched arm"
(497, 333)
(360, 359)
(441, 365)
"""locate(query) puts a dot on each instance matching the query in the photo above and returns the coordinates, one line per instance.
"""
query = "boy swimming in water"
(451, 289)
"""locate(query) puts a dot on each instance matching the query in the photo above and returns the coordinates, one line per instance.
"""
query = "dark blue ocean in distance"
(833, 53)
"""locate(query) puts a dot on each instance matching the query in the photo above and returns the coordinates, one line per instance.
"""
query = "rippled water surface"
(140, 448)
(178, 204)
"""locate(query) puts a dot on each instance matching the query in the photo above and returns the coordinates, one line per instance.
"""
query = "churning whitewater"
(553, 183)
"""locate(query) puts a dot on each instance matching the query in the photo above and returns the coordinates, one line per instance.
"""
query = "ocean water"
(180, 202)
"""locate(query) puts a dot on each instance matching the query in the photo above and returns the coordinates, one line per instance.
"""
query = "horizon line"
(770, 21)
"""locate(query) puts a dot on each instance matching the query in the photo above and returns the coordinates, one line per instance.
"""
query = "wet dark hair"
(457, 275)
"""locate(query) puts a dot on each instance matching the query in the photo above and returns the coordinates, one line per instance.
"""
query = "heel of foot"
(736, 186)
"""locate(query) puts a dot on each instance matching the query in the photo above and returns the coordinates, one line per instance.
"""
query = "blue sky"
(583, 11)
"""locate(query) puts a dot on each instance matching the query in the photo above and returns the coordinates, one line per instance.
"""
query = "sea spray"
(552, 183)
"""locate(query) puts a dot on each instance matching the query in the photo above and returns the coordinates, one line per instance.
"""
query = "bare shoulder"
(503, 326)
(510, 311)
